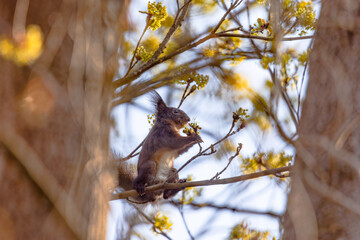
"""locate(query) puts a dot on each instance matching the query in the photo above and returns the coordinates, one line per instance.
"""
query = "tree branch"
(133, 193)
(261, 37)
(229, 208)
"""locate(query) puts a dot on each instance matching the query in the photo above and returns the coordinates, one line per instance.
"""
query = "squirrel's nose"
(187, 119)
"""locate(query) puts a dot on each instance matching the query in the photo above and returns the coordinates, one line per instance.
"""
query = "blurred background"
(271, 86)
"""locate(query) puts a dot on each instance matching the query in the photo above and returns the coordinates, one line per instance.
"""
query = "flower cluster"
(142, 54)
(242, 231)
(240, 114)
(305, 15)
(303, 57)
(260, 26)
(266, 60)
(200, 79)
(156, 14)
(262, 161)
(151, 119)
(162, 222)
(192, 128)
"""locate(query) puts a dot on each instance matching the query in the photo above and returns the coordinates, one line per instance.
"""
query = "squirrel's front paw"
(182, 180)
(140, 188)
(197, 138)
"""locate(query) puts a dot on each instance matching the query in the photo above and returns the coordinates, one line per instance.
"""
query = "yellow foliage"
(266, 60)
(303, 57)
(262, 2)
(170, 47)
(229, 44)
(262, 161)
(151, 43)
(306, 15)
(157, 13)
(241, 231)
(27, 50)
(237, 60)
(200, 80)
(237, 81)
(263, 122)
(162, 222)
(205, 5)
(168, 22)
(209, 52)
(143, 54)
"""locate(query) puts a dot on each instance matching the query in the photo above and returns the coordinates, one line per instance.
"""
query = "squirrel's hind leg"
(145, 177)
(174, 178)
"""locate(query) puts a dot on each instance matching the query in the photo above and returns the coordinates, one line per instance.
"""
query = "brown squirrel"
(162, 145)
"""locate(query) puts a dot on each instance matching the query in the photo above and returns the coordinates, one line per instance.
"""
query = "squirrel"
(160, 148)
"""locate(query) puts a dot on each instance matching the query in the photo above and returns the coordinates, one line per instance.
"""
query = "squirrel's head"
(174, 116)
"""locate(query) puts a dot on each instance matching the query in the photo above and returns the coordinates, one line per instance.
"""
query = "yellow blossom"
(142, 54)
(168, 22)
(209, 52)
(238, 81)
(266, 60)
(306, 15)
(303, 57)
(27, 50)
(263, 122)
(151, 43)
(162, 222)
(157, 13)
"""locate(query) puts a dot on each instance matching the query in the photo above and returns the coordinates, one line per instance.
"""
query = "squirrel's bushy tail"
(126, 175)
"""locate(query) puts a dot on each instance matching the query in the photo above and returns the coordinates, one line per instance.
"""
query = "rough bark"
(325, 197)
(55, 119)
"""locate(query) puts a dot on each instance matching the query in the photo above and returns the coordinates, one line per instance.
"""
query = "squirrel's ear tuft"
(158, 102)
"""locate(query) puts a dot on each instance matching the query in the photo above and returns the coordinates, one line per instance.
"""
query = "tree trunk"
(55, 119)
(324, 202)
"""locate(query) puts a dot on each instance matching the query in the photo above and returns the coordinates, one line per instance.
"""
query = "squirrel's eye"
(176, 111)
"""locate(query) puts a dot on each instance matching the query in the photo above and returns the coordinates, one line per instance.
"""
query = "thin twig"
(131, 65)
(132, 154)
(181, 210)
(184, 94)
(229, 162)
(233, 6)
(233, 209)
(238, 35)
(211, 147)
(278, 86)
